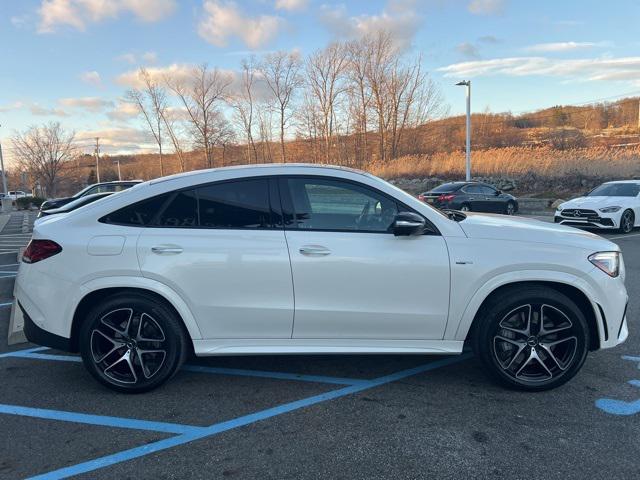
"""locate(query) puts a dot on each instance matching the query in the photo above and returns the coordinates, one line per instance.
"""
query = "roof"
(261, 166)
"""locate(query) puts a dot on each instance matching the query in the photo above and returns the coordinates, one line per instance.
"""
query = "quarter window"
(321, 204)
(182, 211)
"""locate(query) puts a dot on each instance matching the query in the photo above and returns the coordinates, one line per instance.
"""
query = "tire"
(510, 208)
(465, 207)
(627, 220)
(132, 343)
(536, 360)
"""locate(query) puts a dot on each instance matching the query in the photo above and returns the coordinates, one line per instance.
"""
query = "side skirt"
(275, 346)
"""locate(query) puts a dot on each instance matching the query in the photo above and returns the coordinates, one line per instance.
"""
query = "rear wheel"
(532, 338)
(132, 343)
(626, 221)
(465, 207)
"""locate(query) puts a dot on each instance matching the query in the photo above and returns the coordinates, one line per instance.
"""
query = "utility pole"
(98, 158)
(119, 175)
(467, 83)
(4, 177)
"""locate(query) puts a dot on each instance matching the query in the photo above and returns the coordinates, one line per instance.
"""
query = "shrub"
(25, 202)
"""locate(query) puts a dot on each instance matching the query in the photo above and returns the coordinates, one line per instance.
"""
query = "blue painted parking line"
(212, 370)
(622, 407)
(214, 429)
(100, 420)
(7, 304)
(19, 353)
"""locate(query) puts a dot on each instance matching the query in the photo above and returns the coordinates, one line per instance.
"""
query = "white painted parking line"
(621, 237)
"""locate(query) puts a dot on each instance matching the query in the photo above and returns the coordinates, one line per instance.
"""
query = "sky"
(72, 60)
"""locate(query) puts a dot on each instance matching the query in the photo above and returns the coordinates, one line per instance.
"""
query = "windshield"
(82, 192)
(615, 190)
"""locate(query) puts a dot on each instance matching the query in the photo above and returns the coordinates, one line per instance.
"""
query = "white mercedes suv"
(307, 259)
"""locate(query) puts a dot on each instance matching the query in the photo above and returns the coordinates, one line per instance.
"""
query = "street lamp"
(467, 83)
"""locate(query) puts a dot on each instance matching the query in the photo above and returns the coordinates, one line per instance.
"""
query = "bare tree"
(43, 151)
(200, 95)
(243, 105)
(281, 74)
(325, 74)
(359, 93)
(151, 102)
(171, 124)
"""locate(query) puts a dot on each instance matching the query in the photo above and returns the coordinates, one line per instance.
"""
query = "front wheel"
(132, 343)
(626, 221)
(532, 338)
(510, 209)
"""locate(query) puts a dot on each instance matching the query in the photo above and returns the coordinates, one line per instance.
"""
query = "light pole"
(119, 175)
(467, 83)
(4, 176)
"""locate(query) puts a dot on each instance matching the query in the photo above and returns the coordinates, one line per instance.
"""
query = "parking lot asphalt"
(316, 417)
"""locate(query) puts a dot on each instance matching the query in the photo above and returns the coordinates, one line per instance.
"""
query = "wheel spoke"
(543, 331)
(145, 369)
(115, 345)
(125, 330)
(519, 345)
(148, 319)
(127, 360)
(533, 357)
(525, 314)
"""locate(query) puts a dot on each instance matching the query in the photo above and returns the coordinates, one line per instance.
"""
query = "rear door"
(476, 198)
(222, 248)
(353, 279)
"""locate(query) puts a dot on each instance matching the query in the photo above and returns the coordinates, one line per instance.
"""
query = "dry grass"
(547, 162)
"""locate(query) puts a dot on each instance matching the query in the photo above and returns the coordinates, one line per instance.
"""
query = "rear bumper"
(39, 336)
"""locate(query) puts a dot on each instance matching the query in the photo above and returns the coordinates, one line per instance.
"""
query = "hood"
(520, 229)
(593, 203)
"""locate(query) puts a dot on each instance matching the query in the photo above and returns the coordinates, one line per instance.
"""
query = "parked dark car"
(110, 187)
(470, 196)
(77, 203)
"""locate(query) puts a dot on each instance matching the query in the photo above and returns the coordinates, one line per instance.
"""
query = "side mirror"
(408, 223)
(498, 192)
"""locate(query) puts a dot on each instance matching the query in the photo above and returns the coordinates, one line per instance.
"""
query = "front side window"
(336, 205)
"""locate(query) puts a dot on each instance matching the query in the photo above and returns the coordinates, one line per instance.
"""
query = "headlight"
(609, 209)
(608, 262)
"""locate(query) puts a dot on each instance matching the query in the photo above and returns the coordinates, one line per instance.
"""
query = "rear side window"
(242, 204)
(139, 214)
(233, 205)
(446, 188)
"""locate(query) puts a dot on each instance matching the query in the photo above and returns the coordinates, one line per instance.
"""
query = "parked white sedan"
(612, 205)
(306, 259)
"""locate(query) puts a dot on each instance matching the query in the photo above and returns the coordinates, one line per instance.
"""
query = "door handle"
(314, 250)
(166, 250)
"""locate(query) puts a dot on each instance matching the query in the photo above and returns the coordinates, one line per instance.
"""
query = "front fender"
(145, 284)
(460, 330)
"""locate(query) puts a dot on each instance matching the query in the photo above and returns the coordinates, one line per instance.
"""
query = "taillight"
(39, 250)
(421, 197)
(446, 197)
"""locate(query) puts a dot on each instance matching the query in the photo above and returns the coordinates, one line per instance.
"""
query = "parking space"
(367, 416)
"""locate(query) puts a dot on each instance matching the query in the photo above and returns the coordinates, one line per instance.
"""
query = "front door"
(353, 279)
(220, 247)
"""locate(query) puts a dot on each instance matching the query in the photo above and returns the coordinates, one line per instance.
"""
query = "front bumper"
(587, 218)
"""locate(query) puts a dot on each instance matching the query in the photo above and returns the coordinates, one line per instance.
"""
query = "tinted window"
(446, 187)
(616, 190)
(487, 190)
(243, 204)
(473, 189)
(334, 205)
(182, 211)
(138, 214)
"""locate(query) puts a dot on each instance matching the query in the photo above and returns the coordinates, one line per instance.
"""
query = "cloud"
(175, 71)
(41, 111)
(489, 39)
(564, 46)
(119, 140)
(486, 7)
(12, 106)
(468, 50)
(78, 13)
(223, 20)
(123, 111)
(292, 5)
(400, 18)
(92, 78)
(589, 69)
(150, 57)
(128, 58)
(90, 104)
